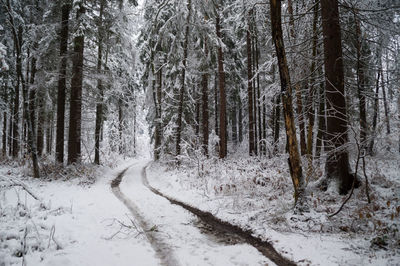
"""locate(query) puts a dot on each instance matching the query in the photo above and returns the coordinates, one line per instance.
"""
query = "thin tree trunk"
(260, 131)
(321, 122)
(204, 98)
(337, 163)
(157, 102)
(120, 126)
(360, 82)
(310, 106)
(303, 147)
(375, 116)
(222, 94)
(4, 135)
(75, 119)
(99, 105)
(252, 150)
(216, 104)
(385, 104)
(182, 90)
(286, 89)
(240, 118)
(61, 89)
(41, 122)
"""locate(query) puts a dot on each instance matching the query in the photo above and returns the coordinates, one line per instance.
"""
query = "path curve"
(162, 250)
(149, 207)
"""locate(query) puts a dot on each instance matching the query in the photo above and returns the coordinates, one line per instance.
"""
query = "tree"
(222, 93)
(286, 92)
(337, 164)
(252, 149)
(61, 89)
(182, 90)
(74, 135)
(99, 105)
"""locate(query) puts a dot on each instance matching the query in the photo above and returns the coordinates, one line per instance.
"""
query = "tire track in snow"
(162, 249)
(224, 227)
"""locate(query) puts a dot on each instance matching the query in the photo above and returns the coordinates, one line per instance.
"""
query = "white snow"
(83, 221)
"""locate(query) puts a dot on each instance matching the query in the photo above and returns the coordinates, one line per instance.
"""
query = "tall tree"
(286, 91)
(74, 134)
(182, 89)
(204, 97)
(250, 97)
(61, 89)
(222, 93)
(99, 105)
(337, 164)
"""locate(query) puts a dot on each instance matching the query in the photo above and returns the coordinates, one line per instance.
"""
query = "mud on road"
(217, 230)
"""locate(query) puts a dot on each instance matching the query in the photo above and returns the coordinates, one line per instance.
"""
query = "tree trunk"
(252, 150)
(182, 90)
(385, 104)
(310, 106)
(61, 89)
(337, 163)
(375, 116)
(240, 118)
(294, 156)
(31, 121)
(120, 126)
(299, 100)
(74, 134)
(204, 98)
(222, 94)
(321, 140)
(360, 82)
(99, 105)
(157, 102)
(216, 126)
(260, 134)
(4, 134)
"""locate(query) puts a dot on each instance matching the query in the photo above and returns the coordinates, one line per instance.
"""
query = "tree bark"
(252, 150)
(337, 163)
(375, 116)
(157, 100)
(61, 89)
(360, 81)
(99, 104)
(182, 90)
(385, 104)
(286, 89)
(74, 134)
(310, 106)
(222, 93)
(303, 147)
(204, 98)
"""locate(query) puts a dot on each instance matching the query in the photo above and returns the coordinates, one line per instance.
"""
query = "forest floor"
(257, 194)
(101, 216)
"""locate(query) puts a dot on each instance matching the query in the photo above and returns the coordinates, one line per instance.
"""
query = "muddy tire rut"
(163, 251)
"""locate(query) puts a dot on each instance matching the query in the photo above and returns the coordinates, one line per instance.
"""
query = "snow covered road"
(174, 232)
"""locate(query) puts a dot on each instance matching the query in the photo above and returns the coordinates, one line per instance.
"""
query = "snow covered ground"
(77, 221)
(70, 225)
(75, 224)
(257, 194)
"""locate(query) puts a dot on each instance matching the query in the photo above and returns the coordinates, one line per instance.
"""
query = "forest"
(200, 132)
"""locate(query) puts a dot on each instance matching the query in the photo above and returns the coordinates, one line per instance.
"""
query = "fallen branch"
(20, 184)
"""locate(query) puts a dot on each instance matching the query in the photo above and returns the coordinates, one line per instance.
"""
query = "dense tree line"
(220, 77)
(65, 65)
(223, 74)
